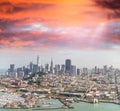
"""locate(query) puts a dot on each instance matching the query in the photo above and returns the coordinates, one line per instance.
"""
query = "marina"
(46, 103)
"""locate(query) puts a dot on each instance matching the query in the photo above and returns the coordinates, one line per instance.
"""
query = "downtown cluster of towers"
(66, 68)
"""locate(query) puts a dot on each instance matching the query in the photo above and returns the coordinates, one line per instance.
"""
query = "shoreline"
(67, 106)
(101, 101)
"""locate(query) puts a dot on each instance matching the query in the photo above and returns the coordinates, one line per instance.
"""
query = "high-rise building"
(12, 67)
(19, 69)
(68, 66)
(57, 69)
(51, 67)
(13, 74)
(35, 68)
(96, 70)
(20, 74)
(63, 69)
(46, 68)
(12, 71)
(105, 69)
(73, 70)
(85, 71)
(41, 68)
(78, 71)
(37, 60)
(31, 66)
(26, 70)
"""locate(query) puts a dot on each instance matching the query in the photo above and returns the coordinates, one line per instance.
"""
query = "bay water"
(82, 106)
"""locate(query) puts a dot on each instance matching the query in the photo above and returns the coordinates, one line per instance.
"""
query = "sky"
(58, 29)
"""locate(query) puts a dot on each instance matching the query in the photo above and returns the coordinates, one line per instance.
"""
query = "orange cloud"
(55, 12)
(54, 1)
(53, 23)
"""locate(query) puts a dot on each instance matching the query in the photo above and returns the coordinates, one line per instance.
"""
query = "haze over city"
(74, 29)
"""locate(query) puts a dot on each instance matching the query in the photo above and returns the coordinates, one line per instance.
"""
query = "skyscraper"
(63, 69)
(31, 66)
(51, 66)
(12, 67)
(105, 69)
(46, 68)
(96, 70)
(67, 66)
(78, 71)
(35, 68)
(73, 70)
(37, 60)
(85, 71)
(12, 71)
(57, 69)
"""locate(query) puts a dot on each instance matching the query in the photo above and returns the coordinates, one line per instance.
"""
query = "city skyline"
(75, 29)
(67, 64)
(80, 61)
(66, 68)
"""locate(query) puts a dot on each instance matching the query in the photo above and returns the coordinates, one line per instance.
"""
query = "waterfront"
(82, 106)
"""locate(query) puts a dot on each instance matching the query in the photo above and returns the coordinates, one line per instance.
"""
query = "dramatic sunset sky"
(58, 29)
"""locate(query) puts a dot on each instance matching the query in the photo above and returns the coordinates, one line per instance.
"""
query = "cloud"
(49, 12)
(50, 25)
(112, 33)
(112, 6)
(10, 8)
(82, 37)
